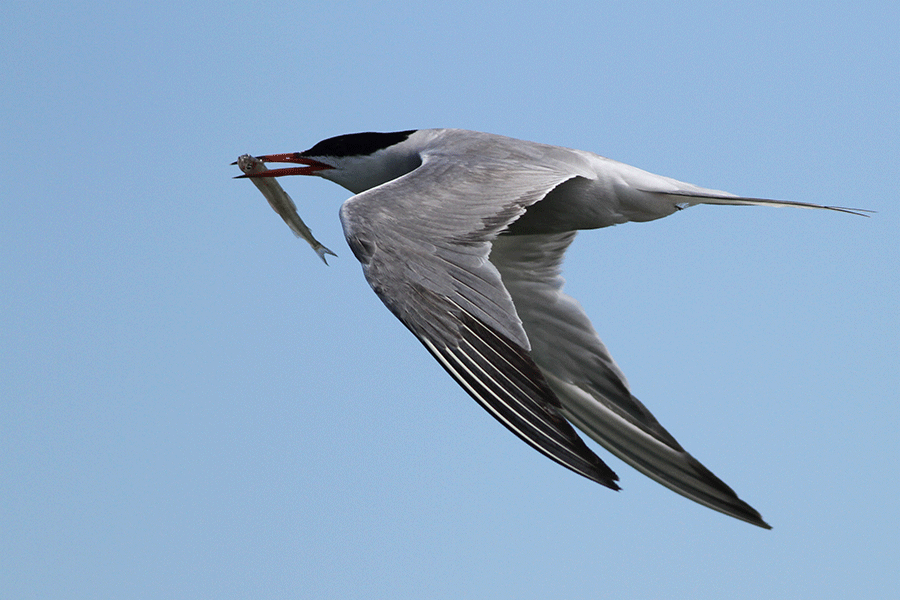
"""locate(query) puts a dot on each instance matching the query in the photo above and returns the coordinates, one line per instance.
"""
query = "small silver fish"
(281, 202)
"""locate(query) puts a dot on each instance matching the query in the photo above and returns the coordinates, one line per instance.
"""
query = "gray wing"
(423, 240)
(593, 391)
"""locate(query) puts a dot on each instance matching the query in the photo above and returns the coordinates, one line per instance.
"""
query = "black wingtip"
(748, 514)
(610, 484)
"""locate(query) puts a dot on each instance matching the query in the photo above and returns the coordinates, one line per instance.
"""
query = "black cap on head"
(357, 144)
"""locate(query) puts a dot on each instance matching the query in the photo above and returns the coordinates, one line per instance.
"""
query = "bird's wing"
(593, 392)
(423, 240)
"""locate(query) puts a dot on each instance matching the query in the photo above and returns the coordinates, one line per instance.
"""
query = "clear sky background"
(193, 406)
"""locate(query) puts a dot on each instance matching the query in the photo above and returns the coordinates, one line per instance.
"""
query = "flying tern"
(462, 236)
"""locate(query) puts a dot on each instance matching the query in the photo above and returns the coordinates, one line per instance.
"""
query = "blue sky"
(193, 406)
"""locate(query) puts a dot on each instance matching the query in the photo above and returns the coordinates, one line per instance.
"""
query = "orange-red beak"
(310, 168)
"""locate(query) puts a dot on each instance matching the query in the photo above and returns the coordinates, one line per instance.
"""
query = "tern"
(462, 236)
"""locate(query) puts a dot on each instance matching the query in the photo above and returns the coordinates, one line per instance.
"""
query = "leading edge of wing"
(504, 380)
